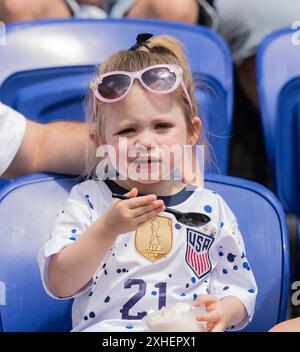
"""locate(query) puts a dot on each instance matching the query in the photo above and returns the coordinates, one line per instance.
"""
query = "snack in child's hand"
(179, 318)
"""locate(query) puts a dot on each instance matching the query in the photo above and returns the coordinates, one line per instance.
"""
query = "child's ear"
(94, 137)
(197, 125)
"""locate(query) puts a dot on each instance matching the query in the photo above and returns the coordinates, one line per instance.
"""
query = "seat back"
(49, 94)
(262, 223)
(64, 43)
(29, 205)
(278, 77)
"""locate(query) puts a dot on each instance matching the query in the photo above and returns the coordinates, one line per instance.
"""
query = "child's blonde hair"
(162, 49)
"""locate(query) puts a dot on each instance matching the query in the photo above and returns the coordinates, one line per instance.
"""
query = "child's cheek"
(121, 151)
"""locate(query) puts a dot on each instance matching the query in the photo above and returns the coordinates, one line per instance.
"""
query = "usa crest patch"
(197, 252)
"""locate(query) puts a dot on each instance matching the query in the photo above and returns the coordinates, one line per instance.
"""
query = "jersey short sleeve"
(12, 130)
(74, 219)
(232, 275)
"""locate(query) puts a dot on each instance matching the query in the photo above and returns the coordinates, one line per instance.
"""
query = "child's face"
(142, 129)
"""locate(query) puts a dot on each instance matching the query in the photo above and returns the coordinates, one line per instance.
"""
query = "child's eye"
(162, 126)
(127, 130)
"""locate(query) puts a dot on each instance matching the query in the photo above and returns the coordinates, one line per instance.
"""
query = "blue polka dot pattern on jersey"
(208, 208)
(73, 230)
(195, 296)
(153, 293)
(230, 257)
(92, 315)
(225, 288)
(222, 224)
(123, 270)
(72, 238)
(177, 226)
(246, 266)
(107, 299)
(129, 327)
(225, 271)
(251, 290)
(193, 279)
(235, 268)
(221, 254)
(90, 204)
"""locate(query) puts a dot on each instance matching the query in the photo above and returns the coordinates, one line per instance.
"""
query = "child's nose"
(146, 139)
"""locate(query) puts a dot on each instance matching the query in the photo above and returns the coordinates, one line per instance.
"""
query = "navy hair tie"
(141, 41)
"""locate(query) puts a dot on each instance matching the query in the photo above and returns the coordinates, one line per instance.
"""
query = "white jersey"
(161, 263)
(12, 130)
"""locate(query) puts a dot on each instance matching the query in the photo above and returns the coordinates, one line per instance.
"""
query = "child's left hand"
(215, 316)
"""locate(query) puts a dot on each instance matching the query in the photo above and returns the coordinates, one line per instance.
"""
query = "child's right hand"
(124, 216)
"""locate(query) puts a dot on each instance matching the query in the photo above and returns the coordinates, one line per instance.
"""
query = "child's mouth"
(146, 163)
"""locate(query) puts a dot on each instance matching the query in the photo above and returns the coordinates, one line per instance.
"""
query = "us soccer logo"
(197, 252)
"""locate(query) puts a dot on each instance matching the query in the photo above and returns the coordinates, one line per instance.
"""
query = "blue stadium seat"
(262, 222)
(27, 71)
(28, 206)
(50, 94)
(278, 83)
(278, 77)
(26, 215)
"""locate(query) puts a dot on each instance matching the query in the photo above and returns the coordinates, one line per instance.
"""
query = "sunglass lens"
(159, 79)
(114, 86)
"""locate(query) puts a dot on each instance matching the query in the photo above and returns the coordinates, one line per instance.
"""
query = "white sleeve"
(12, 130)
(74, 219)
(233, 275)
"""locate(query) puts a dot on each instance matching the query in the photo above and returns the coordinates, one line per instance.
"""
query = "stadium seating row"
(45, 69)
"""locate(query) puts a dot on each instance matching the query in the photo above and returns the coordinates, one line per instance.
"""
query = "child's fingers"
(209, 326)
(132, 193)
(217, 328)
(210, 317)
(146, 208)
(149, 215)
(205, 300)
(137, 202)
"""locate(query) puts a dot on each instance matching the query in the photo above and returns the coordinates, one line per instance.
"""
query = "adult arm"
(292, 325)
(55, 147)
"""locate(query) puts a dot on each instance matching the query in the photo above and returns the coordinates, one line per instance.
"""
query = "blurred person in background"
(243, 27)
